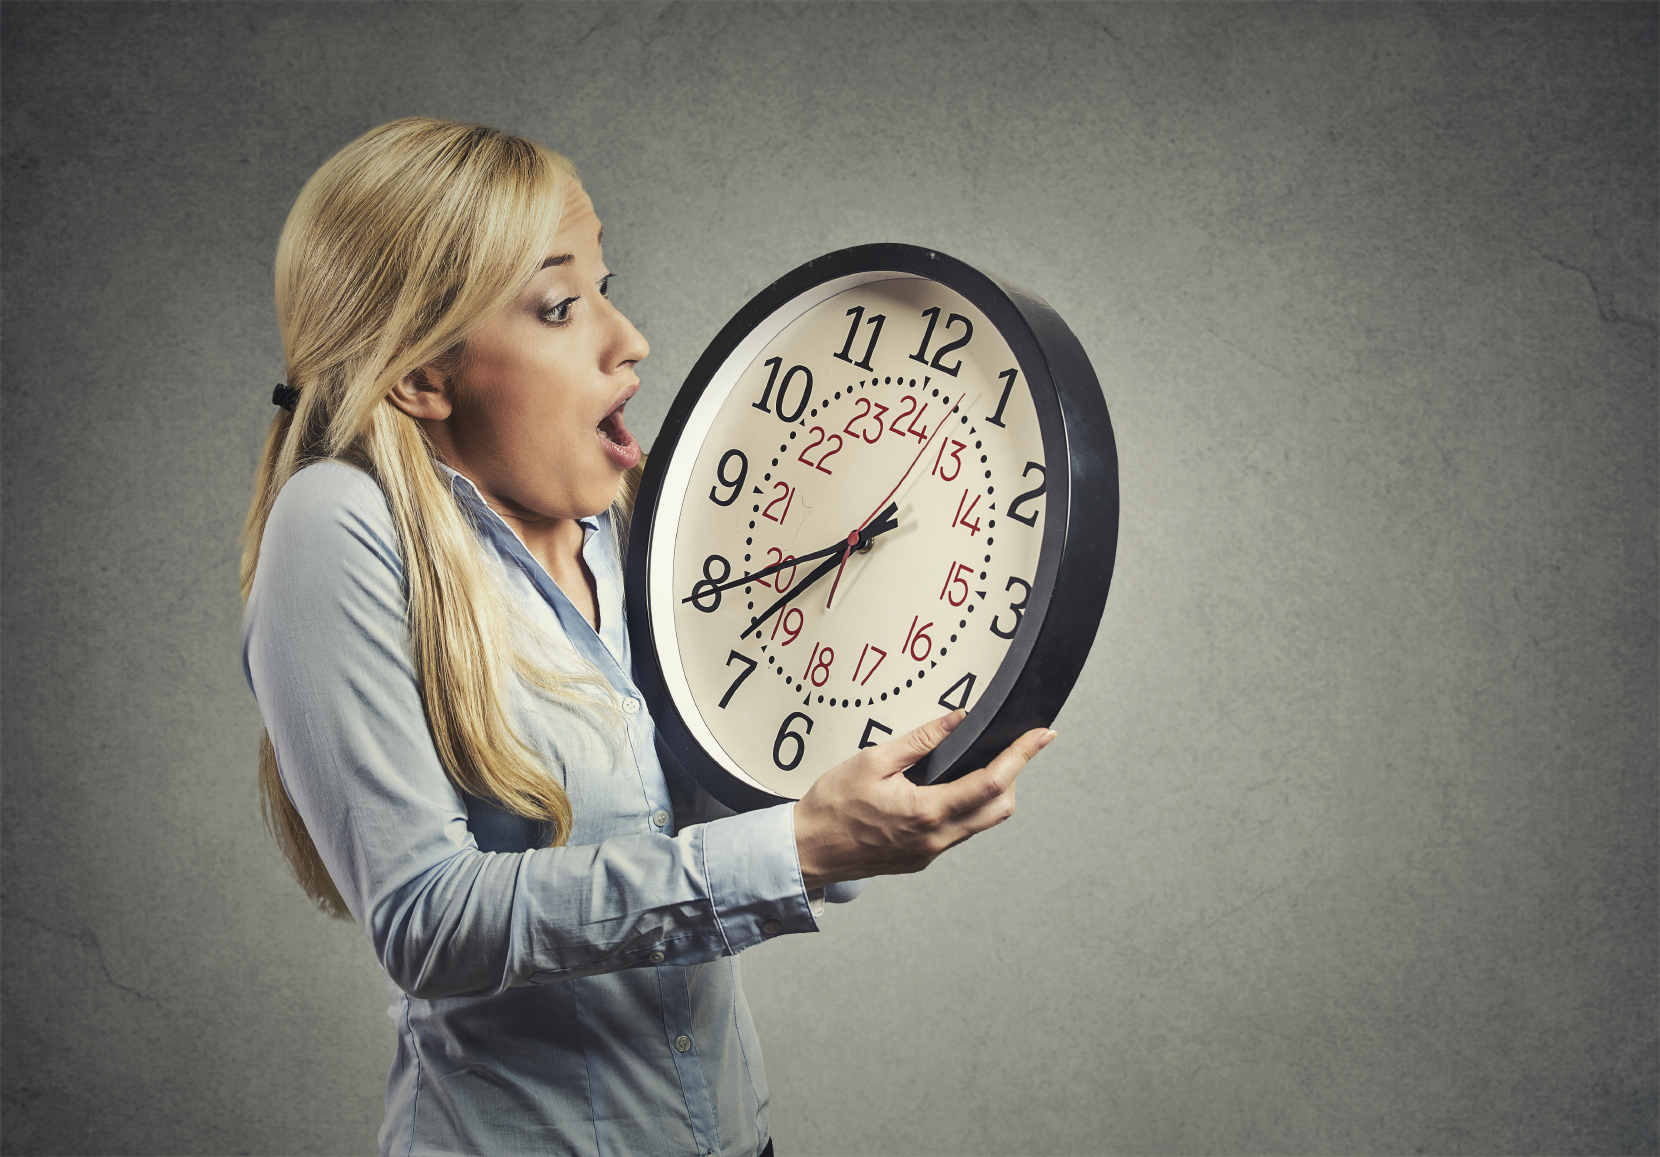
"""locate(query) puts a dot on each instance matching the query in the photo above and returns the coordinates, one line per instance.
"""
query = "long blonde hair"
(397, 248)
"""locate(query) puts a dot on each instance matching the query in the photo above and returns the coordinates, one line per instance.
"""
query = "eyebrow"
(563, 258)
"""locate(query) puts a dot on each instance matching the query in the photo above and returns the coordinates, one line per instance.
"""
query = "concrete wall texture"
(1349, 841)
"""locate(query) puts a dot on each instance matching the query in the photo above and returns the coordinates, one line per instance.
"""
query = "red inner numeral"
(903, 414)
(917, 635)
(784, 621)
(880, 655)
(786, 498)
(954, 578)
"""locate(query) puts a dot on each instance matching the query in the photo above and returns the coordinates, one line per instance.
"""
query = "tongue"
(612, 428)
(624, 450)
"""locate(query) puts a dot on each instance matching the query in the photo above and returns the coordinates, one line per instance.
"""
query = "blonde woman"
(456, 754)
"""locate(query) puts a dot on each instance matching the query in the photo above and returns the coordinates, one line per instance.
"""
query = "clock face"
(874, 437)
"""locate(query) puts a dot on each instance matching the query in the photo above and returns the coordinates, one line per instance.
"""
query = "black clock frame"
(1080, 528)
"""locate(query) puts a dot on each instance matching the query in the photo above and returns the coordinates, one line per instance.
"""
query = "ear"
(423, 393)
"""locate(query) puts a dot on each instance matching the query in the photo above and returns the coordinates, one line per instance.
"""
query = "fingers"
(896, 755)
(862, 818)
(992, 787)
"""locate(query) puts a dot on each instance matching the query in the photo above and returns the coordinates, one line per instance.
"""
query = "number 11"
(857, 313)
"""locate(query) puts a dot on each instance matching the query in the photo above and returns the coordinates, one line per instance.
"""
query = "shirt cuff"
(755, 877)
(844, 892)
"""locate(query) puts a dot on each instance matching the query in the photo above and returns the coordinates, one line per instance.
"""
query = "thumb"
(896, 755)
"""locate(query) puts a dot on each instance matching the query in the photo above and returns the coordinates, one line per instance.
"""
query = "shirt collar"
(612, 638)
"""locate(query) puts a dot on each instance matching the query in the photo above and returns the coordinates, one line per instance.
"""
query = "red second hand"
(852, 541)
(853, 537)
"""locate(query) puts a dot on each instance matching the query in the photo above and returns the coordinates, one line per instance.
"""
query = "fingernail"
(1048, 738)
(949, 723)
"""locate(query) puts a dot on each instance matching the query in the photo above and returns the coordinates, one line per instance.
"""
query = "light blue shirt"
(582, 999)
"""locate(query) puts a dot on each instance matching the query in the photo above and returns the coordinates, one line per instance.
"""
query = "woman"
(456, 754)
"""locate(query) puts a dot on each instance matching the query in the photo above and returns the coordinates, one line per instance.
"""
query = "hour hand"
(857, 540)
(881, 524)
(817, 573)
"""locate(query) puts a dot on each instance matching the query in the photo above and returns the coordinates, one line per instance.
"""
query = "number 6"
(784, 733)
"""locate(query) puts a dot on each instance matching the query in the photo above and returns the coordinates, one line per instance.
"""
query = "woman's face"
(535, 415)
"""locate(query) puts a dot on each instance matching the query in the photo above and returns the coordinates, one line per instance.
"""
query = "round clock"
(888, 489)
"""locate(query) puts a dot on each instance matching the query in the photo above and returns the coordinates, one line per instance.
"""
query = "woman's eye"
(559, 314)
(605, 285)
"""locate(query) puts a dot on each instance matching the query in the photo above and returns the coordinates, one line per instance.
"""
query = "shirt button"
(682, 1043)
(631, 705)
(772, 927)
(660, 818)
(656, 957)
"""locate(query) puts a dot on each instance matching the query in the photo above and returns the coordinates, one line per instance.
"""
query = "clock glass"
(856, 510)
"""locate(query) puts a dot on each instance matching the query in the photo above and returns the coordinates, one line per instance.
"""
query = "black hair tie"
(284, 397)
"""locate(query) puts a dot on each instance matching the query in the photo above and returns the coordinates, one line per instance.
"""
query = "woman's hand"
(864, 818)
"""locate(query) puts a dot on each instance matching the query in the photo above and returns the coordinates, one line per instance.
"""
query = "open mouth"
(619, 443)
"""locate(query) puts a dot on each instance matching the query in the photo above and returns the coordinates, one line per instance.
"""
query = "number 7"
(749, 667)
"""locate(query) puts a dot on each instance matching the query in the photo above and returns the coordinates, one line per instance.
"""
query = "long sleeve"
(326, 651)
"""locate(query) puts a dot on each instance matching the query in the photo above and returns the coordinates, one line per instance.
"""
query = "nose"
(628, 345)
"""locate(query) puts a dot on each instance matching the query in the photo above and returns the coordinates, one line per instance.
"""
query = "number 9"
(737, 484)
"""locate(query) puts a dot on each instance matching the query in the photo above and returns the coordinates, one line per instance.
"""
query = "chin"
(598, 499)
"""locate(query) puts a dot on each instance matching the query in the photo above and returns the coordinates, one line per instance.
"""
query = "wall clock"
(888, 488)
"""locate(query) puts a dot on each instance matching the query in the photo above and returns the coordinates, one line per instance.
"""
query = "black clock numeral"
(784, 389)
(968, 332)
(871, 725)
(720, 473)
(784, 733)
(966, 686)
(1019, 608)
(749, 667)
(709, 586)
(933, 316)
(1043, 484)
(921, 355)
(1008, 385)
(857, 313)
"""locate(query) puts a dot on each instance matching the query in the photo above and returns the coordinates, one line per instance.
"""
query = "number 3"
(1019, 608)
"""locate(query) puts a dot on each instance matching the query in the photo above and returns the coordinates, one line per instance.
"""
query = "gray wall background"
(1349, 841)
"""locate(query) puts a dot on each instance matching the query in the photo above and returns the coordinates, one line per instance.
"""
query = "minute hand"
(880, 526)
(704, 591)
